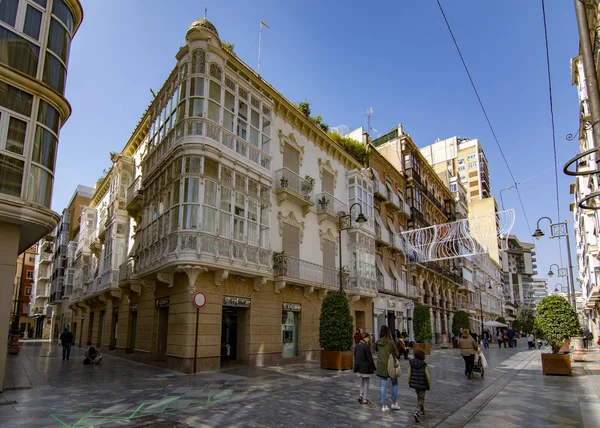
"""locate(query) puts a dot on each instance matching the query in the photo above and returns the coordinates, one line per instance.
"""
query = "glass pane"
(210, 193)
(196, 107)
(174, 218)
(243, 110)
(214, 92)
(209, 220)
(11, 175)
(253, 234)
(33, 20)
(197, 87)
(225, 199)
(62, 11)
(254, 136)
(41, 2)
(240, 204)
(191, 192)
(252, 209)
(264, 214)
(40, 186)
(213, 111)
(229, 101)
(228, 120)
(182, 90)
(15, 141)
(266, 144)
(254, 118)
(241, 129)
(225, 224)
(264, 237)
(48, 115)
(18, 53)
(238, 229)
(55, 74)
(266, 126)
(15, 99)
(176, 185)
(190, 217)
(44, 148)
(8, 11)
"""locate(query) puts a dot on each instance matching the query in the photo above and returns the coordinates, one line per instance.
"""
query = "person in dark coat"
(419, 380)
(364, 367)
(66, 340)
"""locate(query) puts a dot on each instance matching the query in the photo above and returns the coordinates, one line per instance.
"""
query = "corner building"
(224, 188)
(35, 39)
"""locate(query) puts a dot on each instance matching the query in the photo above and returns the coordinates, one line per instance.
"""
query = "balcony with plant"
(292, 187)
(328, 207)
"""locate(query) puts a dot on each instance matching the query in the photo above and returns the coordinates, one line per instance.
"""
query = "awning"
(395, 272)
(387, 281)
(379, 220)
(392, 228)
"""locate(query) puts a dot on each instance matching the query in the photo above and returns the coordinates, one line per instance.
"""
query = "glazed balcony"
(290, 186)
(415, 214)
(135, 196)
(290, 270)
(329, 208)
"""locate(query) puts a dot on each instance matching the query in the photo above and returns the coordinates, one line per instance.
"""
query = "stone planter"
(425, 347)
(556, 364)
(336, 360)
(444, 344)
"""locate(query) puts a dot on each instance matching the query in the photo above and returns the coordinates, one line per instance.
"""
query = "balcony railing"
(134, 193)
(290, 186)
(432, 198)
(306, 272)
(443, 271)
(393, 201)
(126, 270)
(326, 202)
(416, 214)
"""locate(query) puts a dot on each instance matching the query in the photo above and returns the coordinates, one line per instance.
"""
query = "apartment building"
(518, 269)
(37, 36)
(430, 202)
(22, 292)
(224, 188)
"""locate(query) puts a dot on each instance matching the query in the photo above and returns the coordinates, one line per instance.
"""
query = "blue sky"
(344, 57)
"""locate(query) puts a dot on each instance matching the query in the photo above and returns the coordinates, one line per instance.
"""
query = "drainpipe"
(589, 69)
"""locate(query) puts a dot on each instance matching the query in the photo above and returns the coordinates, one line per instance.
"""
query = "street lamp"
(558, 230)
(345, 223)
(561, 271)
(481, 302)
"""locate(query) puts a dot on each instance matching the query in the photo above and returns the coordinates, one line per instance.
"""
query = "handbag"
(394, 368)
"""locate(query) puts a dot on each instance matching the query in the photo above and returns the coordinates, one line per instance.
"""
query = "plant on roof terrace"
(304, 107)
(227, 46)
(354, 148)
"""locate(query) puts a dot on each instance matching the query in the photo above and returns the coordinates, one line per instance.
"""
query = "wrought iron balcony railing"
(326, 202)
(287, 179)
(307, 272)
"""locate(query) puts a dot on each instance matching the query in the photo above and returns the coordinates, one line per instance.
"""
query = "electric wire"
(486, 116)
(553, 127)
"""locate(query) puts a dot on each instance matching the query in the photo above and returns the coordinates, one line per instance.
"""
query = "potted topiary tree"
(335, 333)
(556, 322)
(422, 327)
(459, 321)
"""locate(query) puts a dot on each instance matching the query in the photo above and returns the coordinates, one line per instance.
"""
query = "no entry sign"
(199, 299)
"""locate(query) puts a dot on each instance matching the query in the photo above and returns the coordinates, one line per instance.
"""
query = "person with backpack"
(66, 340)
(387, 352)
(468, 349)
(364, 367)
(419, 380)
(402, 348)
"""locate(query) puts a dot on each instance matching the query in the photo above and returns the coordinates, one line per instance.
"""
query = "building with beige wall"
(225, 188)
(36, 39)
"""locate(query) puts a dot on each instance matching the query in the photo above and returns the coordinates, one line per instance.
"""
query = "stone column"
(9, 249)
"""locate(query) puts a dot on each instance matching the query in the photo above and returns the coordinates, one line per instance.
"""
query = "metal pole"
(259, 42)
(196, 338)
(572, 293)
(340, 252)
(589, 69)
(481, 309)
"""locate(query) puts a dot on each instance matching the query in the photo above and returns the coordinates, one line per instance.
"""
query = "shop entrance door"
(289, 334)
(229, 333)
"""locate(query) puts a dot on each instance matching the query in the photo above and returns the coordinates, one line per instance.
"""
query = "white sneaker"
(394, 406)
(385, 408)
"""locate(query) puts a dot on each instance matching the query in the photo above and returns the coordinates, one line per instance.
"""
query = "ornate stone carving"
(290, 140)
(328, 235)
(308, 291)
(322, 294)
(136, 287)
(220, 276)
(292, 221)
(150, 284)
(326, 166)
(279, 285)
(259, 283)
(102, 298)
(356, 298)
(116, 293)
(192, 273)
(167, 278)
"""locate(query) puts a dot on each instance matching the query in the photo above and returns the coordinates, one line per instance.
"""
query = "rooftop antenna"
(205, 9)
(369, 114)
(262, 24)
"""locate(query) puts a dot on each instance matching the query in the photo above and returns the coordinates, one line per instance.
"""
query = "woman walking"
(468, 348)
(499, 338)
(386, 347)
(364, 367)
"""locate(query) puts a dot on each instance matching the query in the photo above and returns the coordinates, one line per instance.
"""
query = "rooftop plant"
(354, 148)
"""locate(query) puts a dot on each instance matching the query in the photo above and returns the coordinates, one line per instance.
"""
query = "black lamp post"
(558, 230)
(345, 223)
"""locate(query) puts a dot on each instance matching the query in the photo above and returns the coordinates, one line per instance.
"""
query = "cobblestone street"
(51, 393)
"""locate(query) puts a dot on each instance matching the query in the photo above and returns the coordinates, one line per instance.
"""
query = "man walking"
(66, 339)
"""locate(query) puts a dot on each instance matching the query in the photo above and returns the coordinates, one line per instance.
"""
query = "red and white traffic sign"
(199, 299)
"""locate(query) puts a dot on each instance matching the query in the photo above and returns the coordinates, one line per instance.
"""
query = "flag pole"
(262, 23)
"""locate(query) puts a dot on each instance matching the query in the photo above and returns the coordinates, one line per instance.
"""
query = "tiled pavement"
(120, 393)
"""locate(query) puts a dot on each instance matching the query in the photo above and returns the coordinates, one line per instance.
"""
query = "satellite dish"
(340, 129)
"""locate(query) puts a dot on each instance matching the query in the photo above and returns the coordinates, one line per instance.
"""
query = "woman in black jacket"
(364, 367)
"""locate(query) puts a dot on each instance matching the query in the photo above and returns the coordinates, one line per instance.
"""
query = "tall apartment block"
(518, 269)
(35, 38)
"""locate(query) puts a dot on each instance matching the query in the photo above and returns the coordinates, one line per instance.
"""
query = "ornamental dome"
(204, 23)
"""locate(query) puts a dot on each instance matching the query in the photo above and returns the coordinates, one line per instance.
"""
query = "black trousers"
(469, 361)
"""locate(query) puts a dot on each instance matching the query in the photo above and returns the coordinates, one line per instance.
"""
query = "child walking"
(364, 367)
(418, 379)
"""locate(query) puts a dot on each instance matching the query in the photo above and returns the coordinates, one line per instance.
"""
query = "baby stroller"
(480, 363)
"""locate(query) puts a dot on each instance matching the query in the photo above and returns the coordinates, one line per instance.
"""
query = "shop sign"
(409, 305)
(241, 302)
(163, 302)
(294, 307)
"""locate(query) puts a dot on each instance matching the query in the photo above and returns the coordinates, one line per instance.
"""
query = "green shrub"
(422, 324)
(460, 320)
(556, 321)
(501, 319)
(354, 148)
(336, 324)
(526, 318)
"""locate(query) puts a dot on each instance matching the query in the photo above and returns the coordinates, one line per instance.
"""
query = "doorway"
(90, 328)
(132, 329)
(115, 328)
(229, 333)
(162, 333)
(289, 334)
(360, 320)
